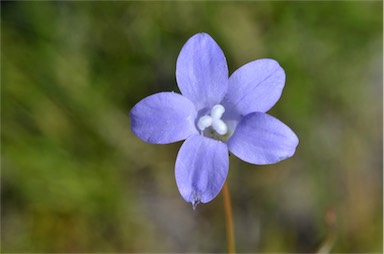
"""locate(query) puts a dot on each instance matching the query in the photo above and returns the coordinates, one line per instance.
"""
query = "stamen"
(217, 111)
(219, 126)
(204, 122)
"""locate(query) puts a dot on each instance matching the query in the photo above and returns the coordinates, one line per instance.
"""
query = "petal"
(202, 71)
(201, 169)
(262, 139)
(163, 118)
(256, 86)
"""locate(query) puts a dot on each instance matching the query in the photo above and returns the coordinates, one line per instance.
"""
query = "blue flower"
(215, 114)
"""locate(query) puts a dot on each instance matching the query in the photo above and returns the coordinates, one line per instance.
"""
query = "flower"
(215, 114)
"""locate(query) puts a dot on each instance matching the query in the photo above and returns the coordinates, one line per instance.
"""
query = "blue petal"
(262, 139)
(163, 118)
(201, 169)
(202, 71)
(255, 87)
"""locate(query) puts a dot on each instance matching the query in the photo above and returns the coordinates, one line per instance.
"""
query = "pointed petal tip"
(195, 200)
(194, 204)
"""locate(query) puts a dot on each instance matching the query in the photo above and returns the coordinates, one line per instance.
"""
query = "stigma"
(214, 121)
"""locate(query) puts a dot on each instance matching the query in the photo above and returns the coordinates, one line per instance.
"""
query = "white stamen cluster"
(214, 120)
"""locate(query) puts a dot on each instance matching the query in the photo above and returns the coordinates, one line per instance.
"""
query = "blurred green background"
(75, 178)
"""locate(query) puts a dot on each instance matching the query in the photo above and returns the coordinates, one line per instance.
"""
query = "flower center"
(213, 120)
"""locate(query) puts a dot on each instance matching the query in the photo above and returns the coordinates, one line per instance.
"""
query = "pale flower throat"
(213, 121)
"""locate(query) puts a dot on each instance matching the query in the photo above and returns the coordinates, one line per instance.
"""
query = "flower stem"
(228, 219)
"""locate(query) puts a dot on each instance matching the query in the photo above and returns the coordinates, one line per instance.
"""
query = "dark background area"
(74, 178)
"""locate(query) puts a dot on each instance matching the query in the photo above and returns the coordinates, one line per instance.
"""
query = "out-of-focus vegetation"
(75, 178)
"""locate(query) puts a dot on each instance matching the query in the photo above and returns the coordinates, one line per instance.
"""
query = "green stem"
(228, 219)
